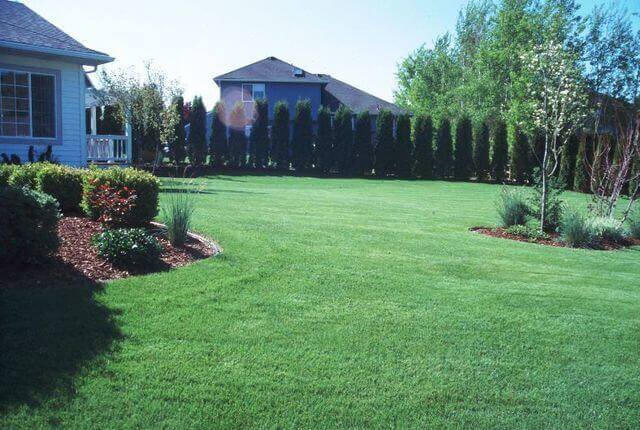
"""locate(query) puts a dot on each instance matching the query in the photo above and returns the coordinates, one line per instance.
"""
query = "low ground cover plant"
(530, 232)
(128, 247)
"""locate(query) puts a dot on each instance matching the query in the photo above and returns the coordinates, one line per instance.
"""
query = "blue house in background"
(277, 80)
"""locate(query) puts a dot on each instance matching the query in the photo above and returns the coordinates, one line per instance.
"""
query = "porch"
(105, 149)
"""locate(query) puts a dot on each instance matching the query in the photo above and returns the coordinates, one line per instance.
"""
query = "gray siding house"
(42, 86)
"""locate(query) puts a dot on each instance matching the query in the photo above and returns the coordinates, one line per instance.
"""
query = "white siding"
(72, 150)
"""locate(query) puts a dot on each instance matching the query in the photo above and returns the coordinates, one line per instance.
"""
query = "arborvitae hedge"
(177, 150)
(566, 174)
(581, 172)
(218, 144)
(302, 138)
(363, 144)
(444, 151)
(500, 151)
(423, 147)
(481, 151)
(197, 141)
(280, 135)
(463, 159)
(259, 138)
(520, 171)
(384, 162)
(343, 139)
(404, 146)
(237, 136)
(324, 141)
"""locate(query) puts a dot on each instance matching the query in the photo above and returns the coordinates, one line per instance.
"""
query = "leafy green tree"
(197, 140)
(218, 144)
(423, 152)
(280, 135)
(519, 164)
(237, 136)
(581, 181)
(177, 139)
(302, 138)
(444, 151)
(259, 137)
(568, 162)
(343, 140)
(384, 162)
(404, 146)
(324, 141)
(363, 144)
(463, 158)
(500, 151)
(481, 151)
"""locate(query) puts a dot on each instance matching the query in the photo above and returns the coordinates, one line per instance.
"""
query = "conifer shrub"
(463, 158)
(363, 144)
(444, 150)
(423, 151)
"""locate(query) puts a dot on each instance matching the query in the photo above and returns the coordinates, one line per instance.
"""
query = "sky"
(357, 41)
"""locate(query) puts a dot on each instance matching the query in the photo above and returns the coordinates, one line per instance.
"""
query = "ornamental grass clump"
(512, 208)
(177, 216)
(576, 230)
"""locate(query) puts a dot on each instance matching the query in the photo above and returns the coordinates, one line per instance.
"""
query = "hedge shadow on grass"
(50, 329)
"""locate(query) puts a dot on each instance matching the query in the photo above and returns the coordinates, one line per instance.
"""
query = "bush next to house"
(343, 140)
(62, 183)
(363, 144)
(197, 140)
(384, 163)
(423, 147)
(512, 208)
(128, 247)
(302, 137)
(500, 152)
(6, 170)
(481, 151)
(259, 137)
(444, 151)
(144, 185)
(404, 146)
(28, 221)
(280, 135)
(463, 157)
(26, 175)
(324, 138)
(218, 144)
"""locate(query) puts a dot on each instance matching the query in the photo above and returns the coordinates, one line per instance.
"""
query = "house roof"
(339, 92)
(23, 30)
(271, 69)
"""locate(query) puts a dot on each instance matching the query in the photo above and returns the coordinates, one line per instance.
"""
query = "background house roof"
(271, 69)
(338, 92)
(22, 29)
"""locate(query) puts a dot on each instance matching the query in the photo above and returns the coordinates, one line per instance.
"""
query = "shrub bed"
(63, 183)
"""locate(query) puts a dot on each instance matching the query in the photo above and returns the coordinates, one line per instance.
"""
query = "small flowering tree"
(553, 102)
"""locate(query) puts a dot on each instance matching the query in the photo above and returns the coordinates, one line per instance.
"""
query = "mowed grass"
(336, 304)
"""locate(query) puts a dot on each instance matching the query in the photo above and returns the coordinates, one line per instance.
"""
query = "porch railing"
(108, 149)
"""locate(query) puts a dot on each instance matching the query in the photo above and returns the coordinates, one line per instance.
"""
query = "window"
(27, 104)
(253, 92)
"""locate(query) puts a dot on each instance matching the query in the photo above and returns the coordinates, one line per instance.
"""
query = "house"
(42, 80)
(276, 80)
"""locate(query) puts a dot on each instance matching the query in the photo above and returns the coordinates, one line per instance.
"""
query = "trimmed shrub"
(6, 170)
(219, 144)
(144, 185)
(634, 224)
(500, 152)
(444, 150)
(463, 158)
(606, 229)
(481, 151)
(404, 146)
(128, 247)
(363, 144)
(512, 208)
(324, 138)
(576, 230)
(28, 221)
(26, 175)
(302, 137)
(423, 153)
(259, 137)
(384, 162)
(197, 140)
(64, 184)
(280, 135)
(177, 216)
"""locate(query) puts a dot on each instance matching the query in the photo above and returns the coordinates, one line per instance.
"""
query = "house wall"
(70, 145)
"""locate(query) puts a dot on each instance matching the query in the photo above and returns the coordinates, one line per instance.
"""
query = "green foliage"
(145, 185)
(607, 229)
(581, 172)
(302, 136)
(237, 136)
(576, 230)
(324, 141)
(363, 144)
(568, 158)
(512, 208)
(554, 202)
(500, 151)
(384, 162)
(520, 167)
(26, 175)
(218, 144)
(197, 140)
(280, 135)
(6, 170)
(62, 183)
(128, 247)
(532, 233)
(423, 141)
(343, 139)
(404, 146)
(259, 137)
(28, 221)
(178, 141)
(444, 151)
(634, 224)
(177, 215)
(481, 151)
(463, 157)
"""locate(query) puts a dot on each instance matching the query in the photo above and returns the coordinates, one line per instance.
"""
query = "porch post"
(94, 121)
(127, 132)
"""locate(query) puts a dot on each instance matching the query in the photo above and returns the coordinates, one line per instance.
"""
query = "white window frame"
(253, 92)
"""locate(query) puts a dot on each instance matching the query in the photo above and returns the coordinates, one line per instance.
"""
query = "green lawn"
(337, 303)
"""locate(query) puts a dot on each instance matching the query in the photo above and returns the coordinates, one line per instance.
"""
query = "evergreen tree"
(581, 173)
(463, 164)
(500, 151)
(404, 146)
(259, 137)
(237, 136)
(324, 138)
(302, 138)
(444, 151)
(520, 171)
(177, 150)
(280, 135)
(197, 141)
(481, 151)
(218, 144)
(384, 162)
(423, 152)
(568, 162)
(363, 143)
(634, 183)
(343, 140)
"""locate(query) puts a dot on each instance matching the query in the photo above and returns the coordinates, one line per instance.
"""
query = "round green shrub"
(607, 229)
(64, 184)
(6, 170)
(128, 247)
(26, 175)
(145, 186)
(28, 221)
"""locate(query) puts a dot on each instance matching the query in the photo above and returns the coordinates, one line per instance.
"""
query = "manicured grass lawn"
(337, 303)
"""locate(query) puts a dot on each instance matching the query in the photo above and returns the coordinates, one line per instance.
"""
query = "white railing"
(108, 149)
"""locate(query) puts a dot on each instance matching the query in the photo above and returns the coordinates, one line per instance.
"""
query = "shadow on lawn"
(49, 330)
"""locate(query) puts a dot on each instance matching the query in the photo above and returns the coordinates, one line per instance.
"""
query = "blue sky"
(357, 41)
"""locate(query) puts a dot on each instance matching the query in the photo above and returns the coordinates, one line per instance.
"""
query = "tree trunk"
(543, 177)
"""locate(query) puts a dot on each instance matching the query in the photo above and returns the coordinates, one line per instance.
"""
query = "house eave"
(84, 58)
(277, 81)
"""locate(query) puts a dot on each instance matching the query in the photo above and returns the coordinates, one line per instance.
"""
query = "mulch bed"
(554, 240)
(77, 258)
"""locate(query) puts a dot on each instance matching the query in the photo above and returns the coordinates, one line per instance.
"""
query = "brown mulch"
(77, 258)
(554, 240)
